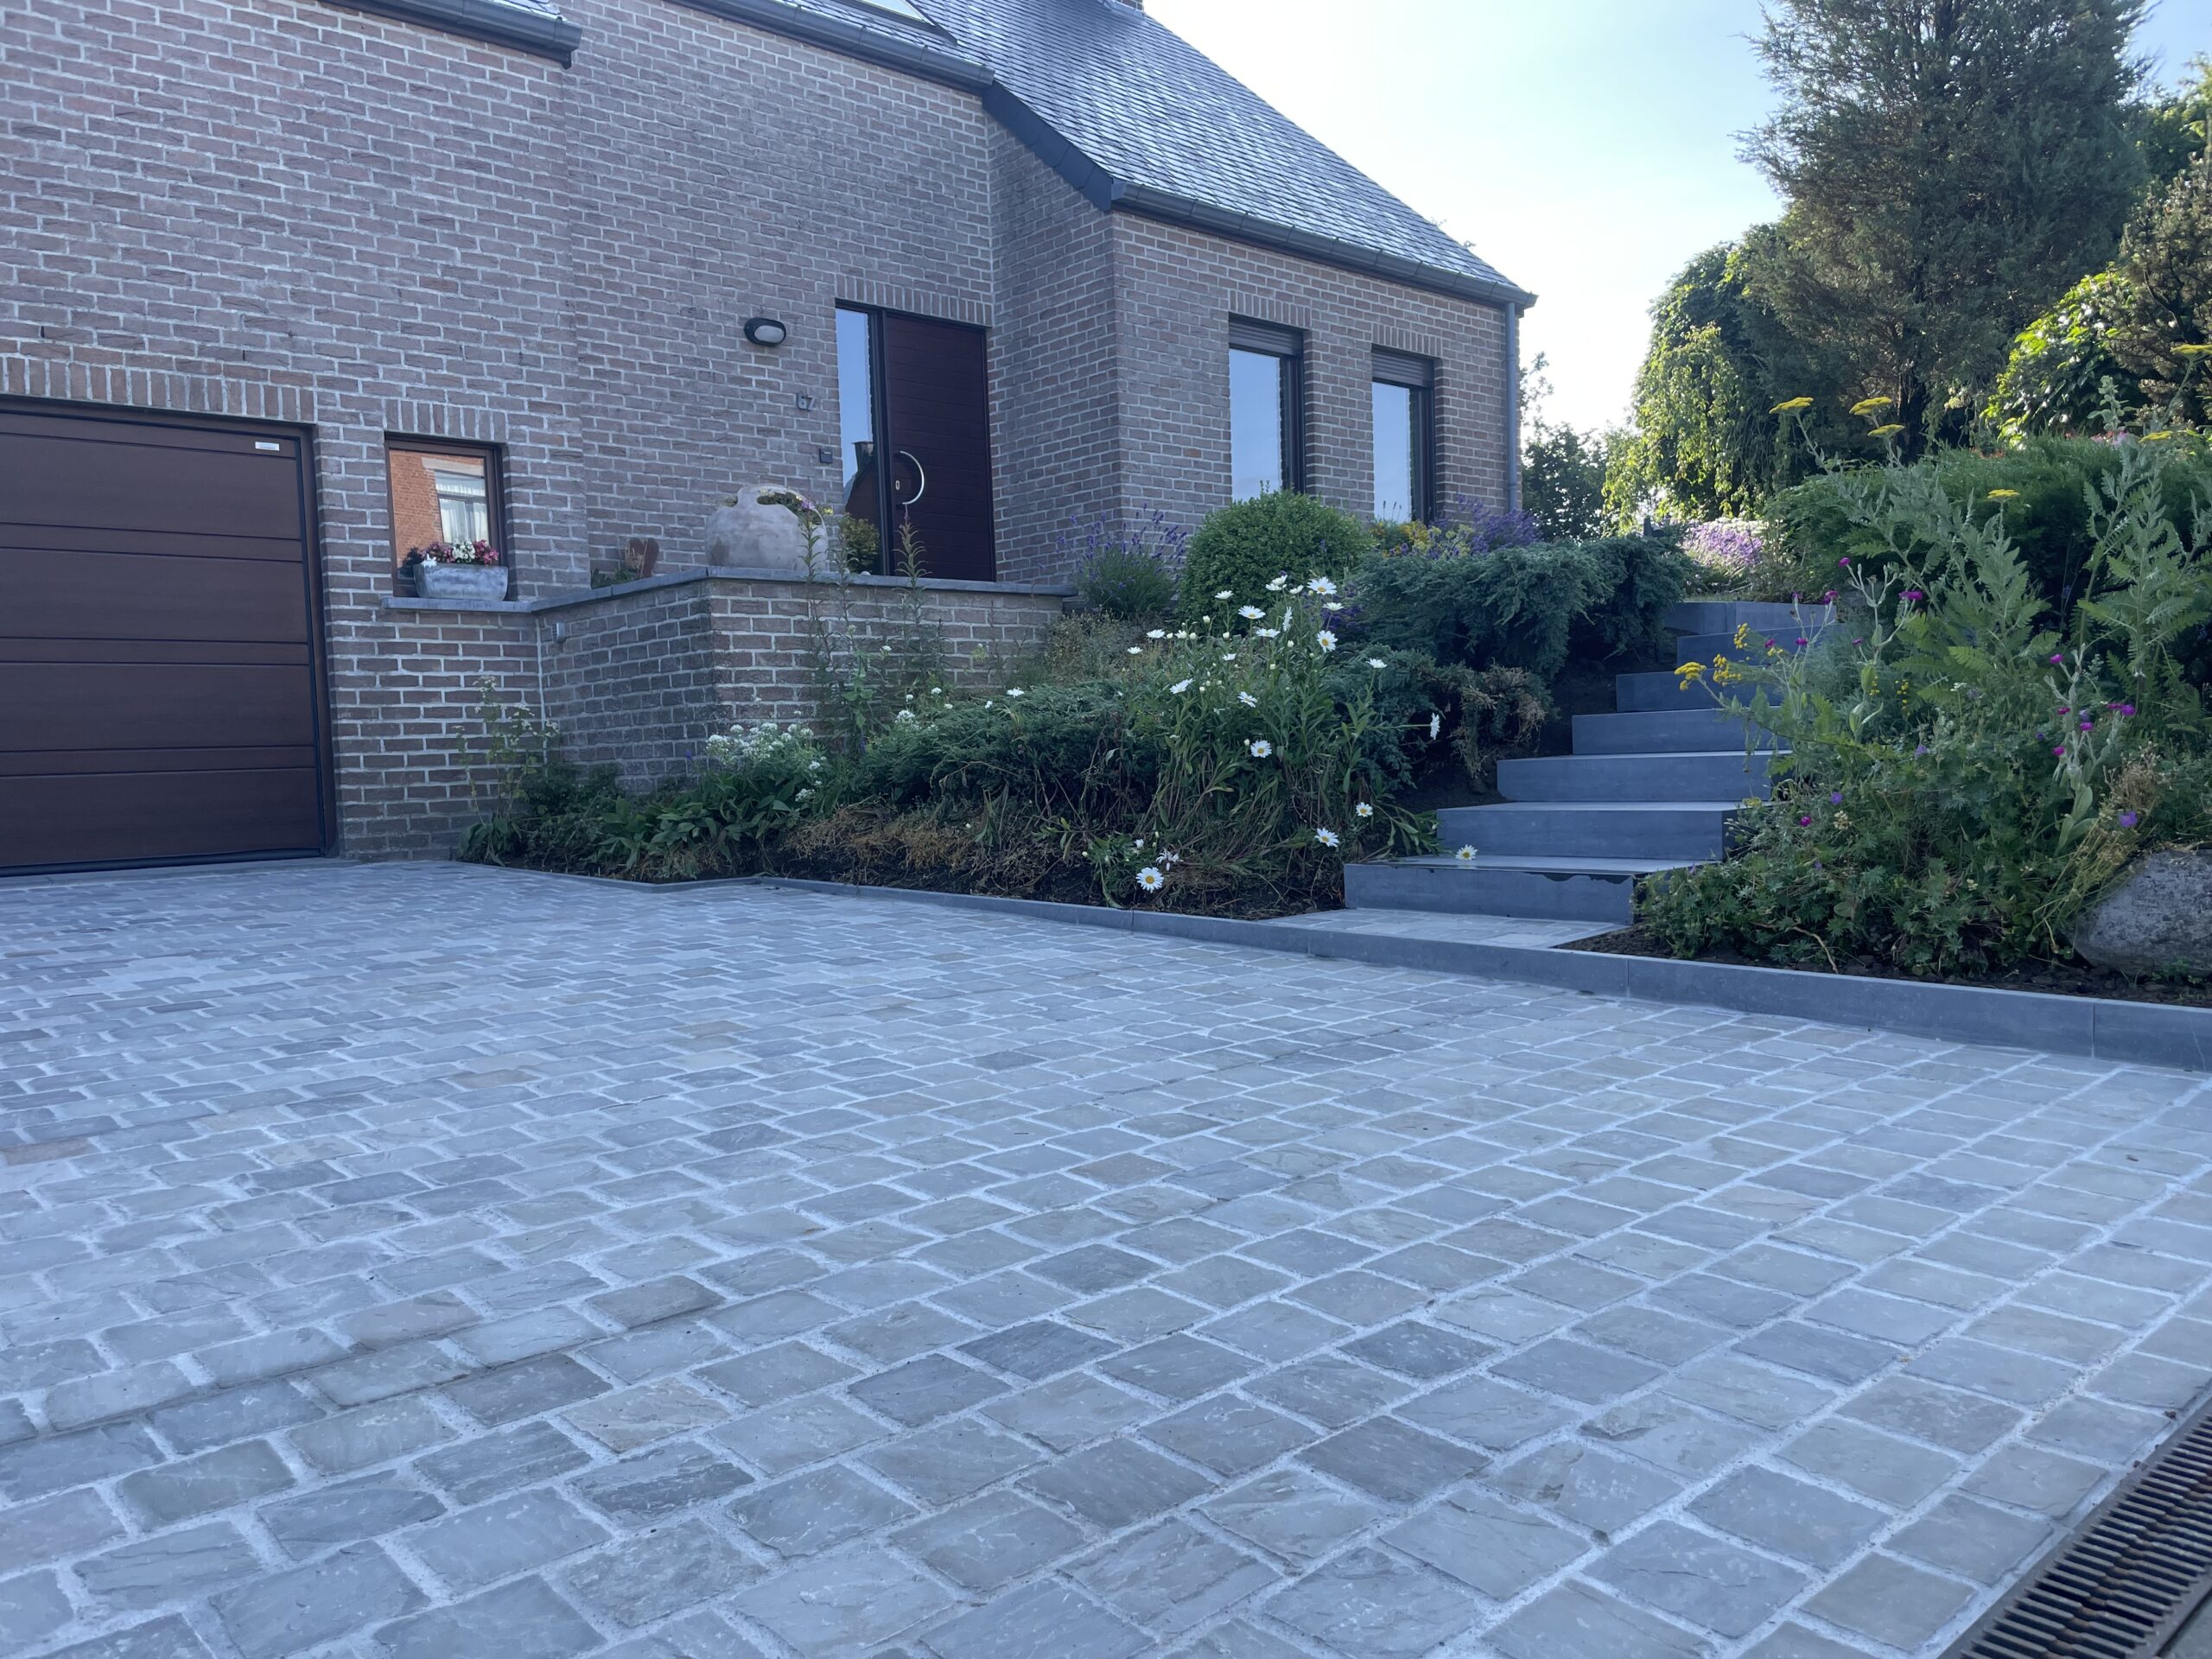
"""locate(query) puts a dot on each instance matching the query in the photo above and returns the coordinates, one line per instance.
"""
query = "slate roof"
(1162, 125)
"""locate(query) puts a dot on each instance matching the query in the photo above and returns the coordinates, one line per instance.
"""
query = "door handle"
(921, 479)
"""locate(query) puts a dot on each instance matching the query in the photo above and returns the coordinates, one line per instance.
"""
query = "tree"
(1951, 166)
(1707, 442)
(2176, 128)
(1563, 469)
(2162, 333)
(2061, 373)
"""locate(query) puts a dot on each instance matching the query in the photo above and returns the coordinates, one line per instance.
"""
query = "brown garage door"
(159, 686)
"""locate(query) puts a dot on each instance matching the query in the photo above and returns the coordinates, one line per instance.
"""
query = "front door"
(914, 396)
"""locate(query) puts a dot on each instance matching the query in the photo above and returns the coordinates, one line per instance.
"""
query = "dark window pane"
(856, 432)
(1256, 384)
(1397, 440)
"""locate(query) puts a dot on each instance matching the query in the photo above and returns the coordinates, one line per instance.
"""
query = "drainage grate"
(2122, 1584)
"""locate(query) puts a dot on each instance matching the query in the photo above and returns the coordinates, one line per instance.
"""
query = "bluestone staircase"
(1650, 787)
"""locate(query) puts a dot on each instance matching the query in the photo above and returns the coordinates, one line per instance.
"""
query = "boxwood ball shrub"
(1240, 548)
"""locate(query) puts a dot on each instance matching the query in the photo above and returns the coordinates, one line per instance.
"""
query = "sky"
(1585, 147)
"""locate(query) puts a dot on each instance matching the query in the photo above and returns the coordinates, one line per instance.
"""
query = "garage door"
(159, 686)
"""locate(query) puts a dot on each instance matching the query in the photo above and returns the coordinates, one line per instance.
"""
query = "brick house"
(287, 287)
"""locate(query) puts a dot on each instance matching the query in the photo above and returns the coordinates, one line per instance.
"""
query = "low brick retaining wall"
(637, 676)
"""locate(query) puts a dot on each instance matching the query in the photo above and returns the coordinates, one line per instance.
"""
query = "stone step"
(1713, 775)
(1641, 694)
(1574, 889)
(1703, 647)
(1661, 832)
(1659, 731)
(1726, 615)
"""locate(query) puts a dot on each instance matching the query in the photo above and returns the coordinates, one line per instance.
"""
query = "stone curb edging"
(2142, 1033)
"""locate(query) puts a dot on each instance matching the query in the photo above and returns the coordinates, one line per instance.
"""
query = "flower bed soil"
(2060, 979)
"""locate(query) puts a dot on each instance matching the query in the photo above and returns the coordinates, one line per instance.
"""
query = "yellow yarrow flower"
(1742, 635)
(2004, 495)
(1889, 431)
(1690, 673)
(2192, 351)
(1794, 403)
(1868, 406)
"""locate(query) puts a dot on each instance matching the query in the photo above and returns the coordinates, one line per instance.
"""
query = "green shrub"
(1240, 548)
(1069, 750)
(2040, 493)
(1525, 607)
(1127, 585)
(1966, 778)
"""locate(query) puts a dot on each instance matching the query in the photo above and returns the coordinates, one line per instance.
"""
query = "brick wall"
(292, 211)
(637, 678)
(1176, 289)
(1054, 364)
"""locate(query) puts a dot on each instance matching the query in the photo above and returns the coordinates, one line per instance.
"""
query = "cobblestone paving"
(417, 1262)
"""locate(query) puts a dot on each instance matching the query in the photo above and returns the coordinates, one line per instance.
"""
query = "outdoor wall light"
(766, 331)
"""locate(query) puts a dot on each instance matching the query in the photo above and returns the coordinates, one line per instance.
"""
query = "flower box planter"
(442, 580)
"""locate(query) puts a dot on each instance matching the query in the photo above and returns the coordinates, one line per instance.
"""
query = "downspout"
(1512, 407)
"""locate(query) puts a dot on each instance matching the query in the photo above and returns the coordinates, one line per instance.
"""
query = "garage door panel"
(153, 650)
(116, 818)
(137, 596)
(159, 659)
(42, 763)
(60, 481)
(179, 542)
(95, 706)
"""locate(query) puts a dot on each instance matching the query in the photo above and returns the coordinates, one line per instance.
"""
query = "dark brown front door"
(914, 407)
(159, 695)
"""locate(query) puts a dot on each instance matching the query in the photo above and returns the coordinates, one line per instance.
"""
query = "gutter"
(540, 36)
(1513, 408)
(1307, 244)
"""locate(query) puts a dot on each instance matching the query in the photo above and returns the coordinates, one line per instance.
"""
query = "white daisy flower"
(906, 714)
(1377, 662)
(1136, 651)
(1269, 633)
(1465, 855)
(1150, 879)
(1326, 641)
(1179, 687)
(1138, 844)
(1260, 748)
(1435, 724)
(1327, 837)
(1016, 691)
(1365, 809)
(1228, 656)
(1250, 612)
(1248, 699)
(1226, 592)
(1279, 583)
(1157, 633)
(1322, 585)
(1330, 605)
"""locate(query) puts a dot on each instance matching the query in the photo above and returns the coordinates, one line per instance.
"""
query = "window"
(1266, 402)
(1402, 391)
(442, 492)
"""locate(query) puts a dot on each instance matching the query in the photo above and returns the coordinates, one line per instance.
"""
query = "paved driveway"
(433, 1262)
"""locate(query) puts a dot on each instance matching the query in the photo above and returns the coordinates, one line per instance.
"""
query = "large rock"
(756, 535)
(2158, 920)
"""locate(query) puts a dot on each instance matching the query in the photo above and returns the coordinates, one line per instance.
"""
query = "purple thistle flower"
(1803, 822)
(1836, 797)
(2128, 820)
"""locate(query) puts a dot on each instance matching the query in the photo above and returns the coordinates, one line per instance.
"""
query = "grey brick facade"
(364, 225)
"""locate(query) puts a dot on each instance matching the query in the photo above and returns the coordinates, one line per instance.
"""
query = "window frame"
(495, 490)
(1418, 376)
(1287, 347)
